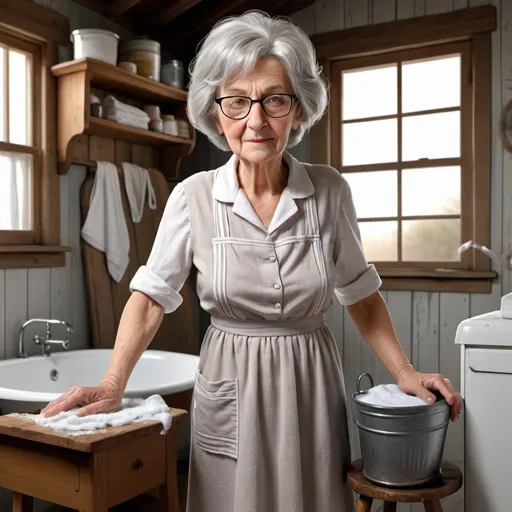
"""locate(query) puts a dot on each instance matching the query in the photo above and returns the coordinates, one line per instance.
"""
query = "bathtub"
(27, 385)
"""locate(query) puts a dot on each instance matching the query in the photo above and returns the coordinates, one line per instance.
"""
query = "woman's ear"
(298, 117)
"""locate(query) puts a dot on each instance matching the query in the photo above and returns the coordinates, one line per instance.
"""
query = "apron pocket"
(216, 416)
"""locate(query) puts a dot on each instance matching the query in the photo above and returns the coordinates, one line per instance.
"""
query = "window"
(29, 181)
(19, 141)
(401, 150)
(408, 101)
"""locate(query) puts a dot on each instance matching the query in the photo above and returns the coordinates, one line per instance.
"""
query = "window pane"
(380, 240)
(430, 84)
(2, 94)
(431, 240)
(431, 191)
(431, 136)
(15, 191)
(369, 142)
(18, 98)
(369, 92)
(374, 193)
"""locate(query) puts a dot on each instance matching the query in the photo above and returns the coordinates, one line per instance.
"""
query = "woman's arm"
(139, 323)
(373, 321)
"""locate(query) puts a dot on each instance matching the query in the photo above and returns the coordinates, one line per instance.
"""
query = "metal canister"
(145, 54)
(173, 74)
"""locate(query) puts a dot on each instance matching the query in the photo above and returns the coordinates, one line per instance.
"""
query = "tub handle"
(360, 378)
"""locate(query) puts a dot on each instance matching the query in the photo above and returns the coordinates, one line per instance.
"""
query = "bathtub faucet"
(47, 341)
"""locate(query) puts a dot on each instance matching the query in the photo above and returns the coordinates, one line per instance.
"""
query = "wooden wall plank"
(356, 13)
(61, 278)
(438, 6)
(460, 4)
(410, 9)
(306, 18)
(16, 306)
(382, 11)
(330, 15)
(454, 307)
(425, 342)
(39, 284)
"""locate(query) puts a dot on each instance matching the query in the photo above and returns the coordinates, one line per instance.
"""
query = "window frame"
(32, 237)
(37, 30)
(472, 27)
(466, 214)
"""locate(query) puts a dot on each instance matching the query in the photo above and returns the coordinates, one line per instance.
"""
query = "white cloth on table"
(137, 181)
(133, 410)
(105, 227)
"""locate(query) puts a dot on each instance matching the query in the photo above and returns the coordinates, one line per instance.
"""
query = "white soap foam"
(389, 395)
(132, 410)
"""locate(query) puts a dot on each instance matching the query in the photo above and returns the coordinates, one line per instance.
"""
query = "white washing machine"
(486, 386)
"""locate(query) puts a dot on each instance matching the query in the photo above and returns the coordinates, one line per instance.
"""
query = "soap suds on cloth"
(133, 410)
(389, 395)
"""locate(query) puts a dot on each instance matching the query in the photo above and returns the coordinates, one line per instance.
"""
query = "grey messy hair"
(232, 48)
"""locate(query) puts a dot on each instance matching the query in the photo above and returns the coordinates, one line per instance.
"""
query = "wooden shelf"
(117, 80)
(106, 128)
(75, 81)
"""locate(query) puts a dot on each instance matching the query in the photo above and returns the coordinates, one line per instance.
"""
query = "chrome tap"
(46, 342)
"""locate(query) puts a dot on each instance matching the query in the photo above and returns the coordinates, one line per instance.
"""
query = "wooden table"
(89, 473)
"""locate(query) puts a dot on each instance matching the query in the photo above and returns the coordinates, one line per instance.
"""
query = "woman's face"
(258, 137)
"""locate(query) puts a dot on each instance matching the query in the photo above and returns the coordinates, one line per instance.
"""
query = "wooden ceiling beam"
(119, 7)
(95, 5)
(169, 13)
(192, 29)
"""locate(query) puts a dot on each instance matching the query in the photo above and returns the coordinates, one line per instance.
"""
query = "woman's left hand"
(416, 383)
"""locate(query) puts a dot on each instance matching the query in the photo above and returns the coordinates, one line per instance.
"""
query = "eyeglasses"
(274, 105)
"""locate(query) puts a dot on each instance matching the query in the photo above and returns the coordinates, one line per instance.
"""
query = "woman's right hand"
(91, 400)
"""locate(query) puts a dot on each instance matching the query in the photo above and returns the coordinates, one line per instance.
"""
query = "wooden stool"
(451, 482)
(89, 473)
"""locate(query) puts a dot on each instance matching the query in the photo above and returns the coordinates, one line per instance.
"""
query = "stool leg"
(433, 506)
(22, 503)
(169, 499)
(364, 504)
(389, 506)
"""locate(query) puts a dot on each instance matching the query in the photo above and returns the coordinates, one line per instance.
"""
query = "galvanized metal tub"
(401, 446)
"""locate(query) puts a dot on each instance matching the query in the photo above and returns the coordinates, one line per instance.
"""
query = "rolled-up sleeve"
(356, 279)
(170, 260)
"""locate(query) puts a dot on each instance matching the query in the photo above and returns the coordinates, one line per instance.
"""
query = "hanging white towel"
(137, 180)
(105, 227)
(132, 410)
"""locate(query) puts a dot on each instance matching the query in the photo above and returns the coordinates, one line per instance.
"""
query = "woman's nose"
(257, 117)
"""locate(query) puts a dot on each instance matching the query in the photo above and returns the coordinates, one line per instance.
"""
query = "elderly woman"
(270, 239)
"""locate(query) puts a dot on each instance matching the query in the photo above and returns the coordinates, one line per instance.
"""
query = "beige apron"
(269, 426)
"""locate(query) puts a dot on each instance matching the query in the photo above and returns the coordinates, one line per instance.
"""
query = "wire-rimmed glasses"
(274, 105)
